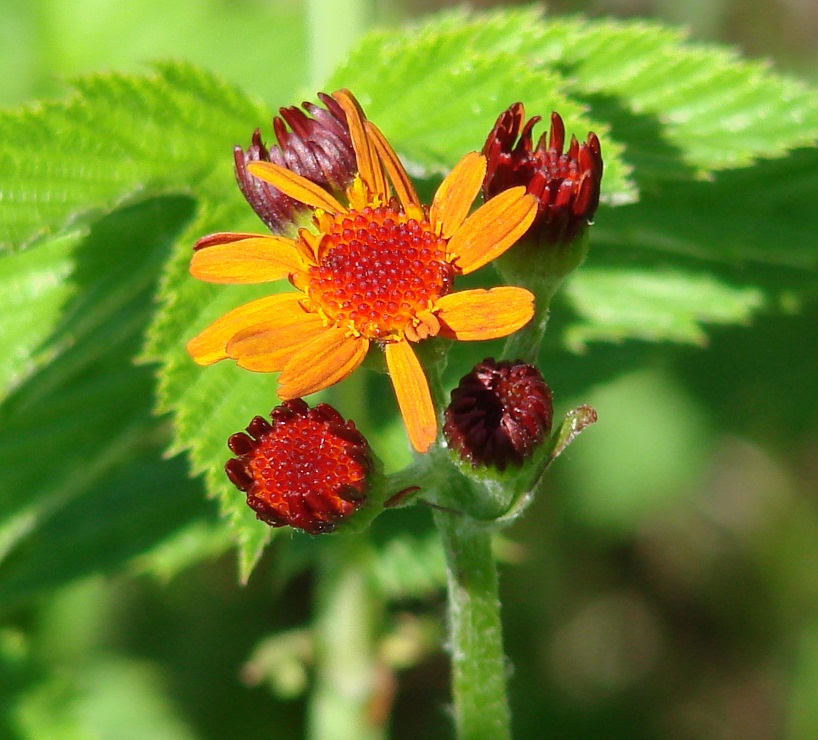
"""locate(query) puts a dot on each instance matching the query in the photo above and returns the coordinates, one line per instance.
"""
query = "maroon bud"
(566, 184)
(498, 414)
(317, 146)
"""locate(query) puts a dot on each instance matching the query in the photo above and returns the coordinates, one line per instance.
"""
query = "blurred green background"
(666, 587)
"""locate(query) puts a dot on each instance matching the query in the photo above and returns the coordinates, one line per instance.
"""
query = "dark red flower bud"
(307, 469)
(566, 184)
(318, 148)
(498, 414)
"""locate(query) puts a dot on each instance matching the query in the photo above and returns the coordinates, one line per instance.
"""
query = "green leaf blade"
(654, 305)
(717, 110)
(116, 137)
(454, 82)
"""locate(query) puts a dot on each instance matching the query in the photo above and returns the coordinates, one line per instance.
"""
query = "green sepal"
(574, 422)
(542, 269)
(486, 494)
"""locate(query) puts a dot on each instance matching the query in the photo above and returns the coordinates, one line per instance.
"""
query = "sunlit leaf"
(116, 137)
(654, 305)
(437, 91)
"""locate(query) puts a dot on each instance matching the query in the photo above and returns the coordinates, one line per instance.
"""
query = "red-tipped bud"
(498, 414)
(566, 184)
(318, 148)
(308, 469)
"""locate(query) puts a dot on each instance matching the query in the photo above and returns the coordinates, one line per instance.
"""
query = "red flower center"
(307, 470)
(379, 269)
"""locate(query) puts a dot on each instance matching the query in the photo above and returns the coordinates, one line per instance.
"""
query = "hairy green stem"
(346, 673)
(475, 631)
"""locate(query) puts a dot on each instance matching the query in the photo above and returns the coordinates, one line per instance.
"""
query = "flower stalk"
(544, 281)
(475, 630)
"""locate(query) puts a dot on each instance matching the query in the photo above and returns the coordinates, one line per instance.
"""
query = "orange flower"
(376, 270)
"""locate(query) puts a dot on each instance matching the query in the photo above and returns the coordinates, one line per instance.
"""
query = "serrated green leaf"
(437, 91)
(760, 216)
(33, 291)
(79, 446)
(121, 514)
(698, 253)
(678, 106)
(654, 305)
(117, 137)
(682, 109)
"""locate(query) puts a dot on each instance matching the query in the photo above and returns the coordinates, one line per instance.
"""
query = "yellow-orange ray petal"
(210, 345)
(366, 156)
(414, 397)
(471, 315)
(492, 229)
(256, 259)
(267, 347)
(321, 362)
(403, 186)
(454, 197)
(298, 188)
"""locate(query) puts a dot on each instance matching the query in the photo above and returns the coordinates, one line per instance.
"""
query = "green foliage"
(91, 208)
(33, 292)
(83, 486)
(111, 438)
(115, 138)
(711, 109)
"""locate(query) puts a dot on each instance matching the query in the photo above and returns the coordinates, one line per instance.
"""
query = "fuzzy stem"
(475, 631)
(347, 614)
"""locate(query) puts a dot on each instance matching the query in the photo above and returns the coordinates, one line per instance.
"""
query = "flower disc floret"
(307, 469)
(380, 270)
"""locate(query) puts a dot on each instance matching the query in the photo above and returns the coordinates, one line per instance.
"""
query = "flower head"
(307, 469)
(498, 414)
(566, 184)
(376, 269)
(317, 147)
